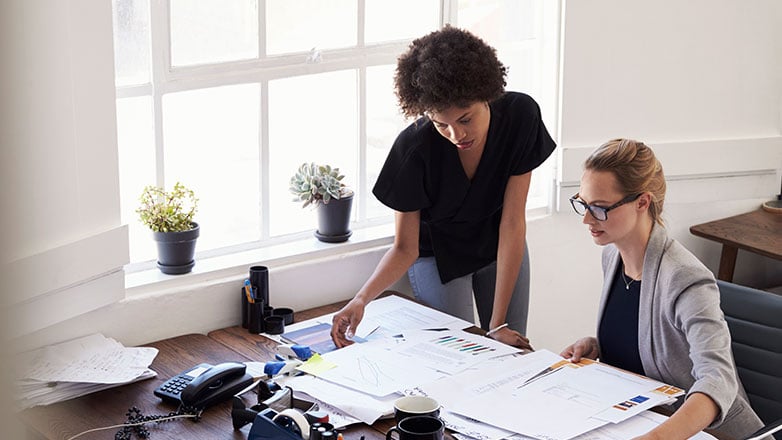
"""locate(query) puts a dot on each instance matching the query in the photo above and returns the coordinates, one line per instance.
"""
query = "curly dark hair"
(448, 67)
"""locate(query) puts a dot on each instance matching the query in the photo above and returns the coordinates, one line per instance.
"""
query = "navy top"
(460, 218)
(618, 330)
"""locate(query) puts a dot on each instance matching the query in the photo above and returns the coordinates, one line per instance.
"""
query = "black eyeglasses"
(598, 212)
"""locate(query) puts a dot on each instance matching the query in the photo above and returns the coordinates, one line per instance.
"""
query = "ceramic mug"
(409, 406)
(418, 428)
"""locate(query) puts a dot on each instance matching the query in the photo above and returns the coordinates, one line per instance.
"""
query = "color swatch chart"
(462, 345)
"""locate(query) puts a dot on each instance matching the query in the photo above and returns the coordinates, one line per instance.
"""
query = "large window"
(229, 97)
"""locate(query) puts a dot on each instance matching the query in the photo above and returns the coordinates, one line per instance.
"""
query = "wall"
(62, 246)
(694, 78)
(701, 82)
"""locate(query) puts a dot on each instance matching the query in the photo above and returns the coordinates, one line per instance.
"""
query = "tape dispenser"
(277, 416)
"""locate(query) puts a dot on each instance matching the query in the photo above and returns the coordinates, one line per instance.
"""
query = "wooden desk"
(63, 420)
(757, 231)
(108, 407)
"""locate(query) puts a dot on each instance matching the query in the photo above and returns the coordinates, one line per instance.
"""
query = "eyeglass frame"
(591, 208)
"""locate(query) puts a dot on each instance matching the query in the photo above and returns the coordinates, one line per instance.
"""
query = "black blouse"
(618, 328)
(460, 219)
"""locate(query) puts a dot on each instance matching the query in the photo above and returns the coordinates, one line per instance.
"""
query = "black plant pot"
(175, 250)
(334, 220)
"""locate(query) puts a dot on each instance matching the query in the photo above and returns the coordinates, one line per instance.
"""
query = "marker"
(248, 291)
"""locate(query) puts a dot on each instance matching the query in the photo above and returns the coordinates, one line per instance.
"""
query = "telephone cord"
(136, 423)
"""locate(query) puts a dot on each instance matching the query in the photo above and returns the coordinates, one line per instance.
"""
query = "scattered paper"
(78, 367)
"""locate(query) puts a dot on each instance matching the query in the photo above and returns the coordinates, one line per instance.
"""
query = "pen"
(248, 291)
(496, 329)
(543, 373)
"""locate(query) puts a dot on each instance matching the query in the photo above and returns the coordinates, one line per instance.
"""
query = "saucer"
(333, 238)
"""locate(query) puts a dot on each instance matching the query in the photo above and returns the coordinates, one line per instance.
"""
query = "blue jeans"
(456, 296)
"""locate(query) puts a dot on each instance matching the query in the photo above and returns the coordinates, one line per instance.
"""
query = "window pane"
(211, 138)
(510, 27)
(499, 20)
(383, 19)
(513, 27)
(212, 31)
(384, 122)
(136, 142)
(301, 25)
(131, 42)
(311, 119)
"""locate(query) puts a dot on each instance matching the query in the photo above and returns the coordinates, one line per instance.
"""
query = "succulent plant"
(314, 184)
(165, 211)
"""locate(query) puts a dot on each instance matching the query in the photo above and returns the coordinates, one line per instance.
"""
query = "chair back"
(755, 321)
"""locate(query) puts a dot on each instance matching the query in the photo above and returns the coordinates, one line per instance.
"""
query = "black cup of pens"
(252, 309)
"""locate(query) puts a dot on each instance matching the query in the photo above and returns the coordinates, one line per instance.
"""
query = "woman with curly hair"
(457, 179)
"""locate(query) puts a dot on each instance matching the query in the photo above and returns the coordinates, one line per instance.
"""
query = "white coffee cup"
(415, 406)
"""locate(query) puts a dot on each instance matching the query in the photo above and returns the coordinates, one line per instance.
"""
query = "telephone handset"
(205, 385)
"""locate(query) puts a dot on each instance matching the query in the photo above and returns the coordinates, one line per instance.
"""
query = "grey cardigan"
(683, 338)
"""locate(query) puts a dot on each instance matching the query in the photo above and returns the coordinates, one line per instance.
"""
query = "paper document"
(633, 427)
(394, 314)
(558, 404)
(363, 407)
(374, 368)
(449, 351)
(383, 317)
(78, 367)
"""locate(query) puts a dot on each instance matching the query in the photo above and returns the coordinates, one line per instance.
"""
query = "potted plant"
(321, 186)
(170, 217)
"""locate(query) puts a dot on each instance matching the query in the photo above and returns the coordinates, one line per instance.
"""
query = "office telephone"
(205, 385)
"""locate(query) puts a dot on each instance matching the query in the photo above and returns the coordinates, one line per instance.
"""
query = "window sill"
(214, 269)
(210, 269)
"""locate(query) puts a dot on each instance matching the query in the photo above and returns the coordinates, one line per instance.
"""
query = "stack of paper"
(488, 391)
(78, 367)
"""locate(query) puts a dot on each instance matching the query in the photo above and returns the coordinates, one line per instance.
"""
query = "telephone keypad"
(173, 387)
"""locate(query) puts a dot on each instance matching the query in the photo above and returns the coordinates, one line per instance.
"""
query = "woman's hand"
(584, 347)
(345, 323)
(512, 337)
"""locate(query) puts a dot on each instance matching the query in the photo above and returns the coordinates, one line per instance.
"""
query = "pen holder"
(274, 325)
(286, 313)
(259, 279)
(245, 310)
(255, 324)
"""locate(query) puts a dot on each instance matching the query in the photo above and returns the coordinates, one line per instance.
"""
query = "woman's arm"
(692, 304)
(697, 412)
(510, 253)
(392, 266)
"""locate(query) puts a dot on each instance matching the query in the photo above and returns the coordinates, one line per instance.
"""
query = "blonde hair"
(635, 168)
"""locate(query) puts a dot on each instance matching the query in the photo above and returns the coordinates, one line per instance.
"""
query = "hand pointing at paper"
(346, 321)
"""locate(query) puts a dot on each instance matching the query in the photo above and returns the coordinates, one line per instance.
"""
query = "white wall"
(699, 81)
(692, 77)
(61, 234)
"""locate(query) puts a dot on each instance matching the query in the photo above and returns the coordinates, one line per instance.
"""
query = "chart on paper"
(450, 351)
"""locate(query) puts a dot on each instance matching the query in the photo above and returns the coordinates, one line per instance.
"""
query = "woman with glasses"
(659, 313)
(457, 179)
